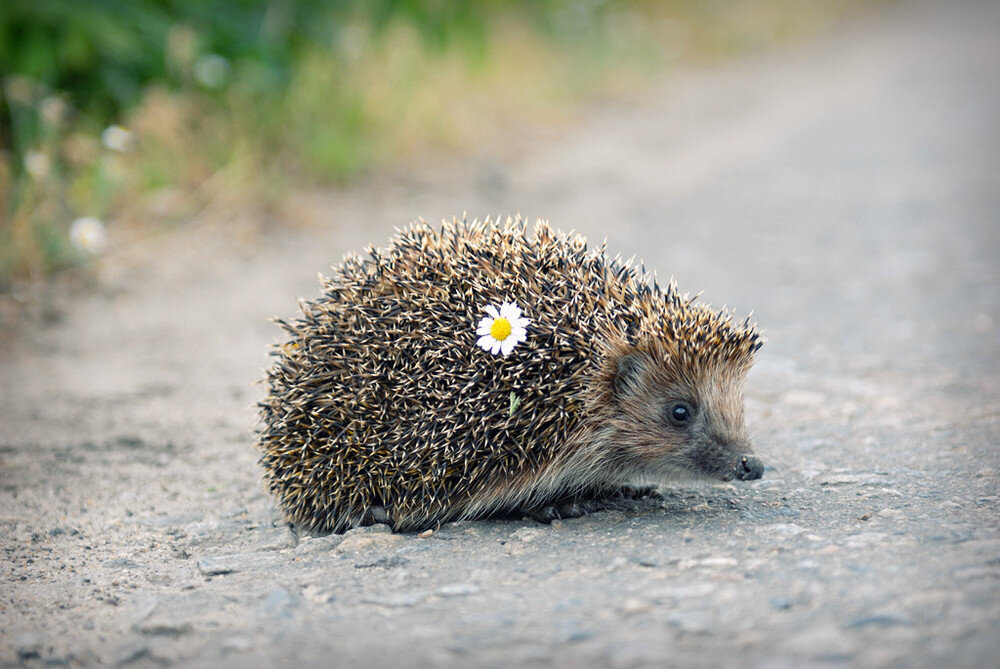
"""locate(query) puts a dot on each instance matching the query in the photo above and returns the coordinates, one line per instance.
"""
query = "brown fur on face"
(641, 384)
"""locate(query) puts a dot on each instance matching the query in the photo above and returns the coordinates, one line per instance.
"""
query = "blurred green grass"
(141, 112)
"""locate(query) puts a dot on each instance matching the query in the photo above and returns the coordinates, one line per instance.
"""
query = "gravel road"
(847, 190)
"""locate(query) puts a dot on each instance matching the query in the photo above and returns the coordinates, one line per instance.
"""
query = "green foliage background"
(250, 95)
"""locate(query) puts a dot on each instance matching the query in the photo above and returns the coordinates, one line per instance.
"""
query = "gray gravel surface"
(847, 190)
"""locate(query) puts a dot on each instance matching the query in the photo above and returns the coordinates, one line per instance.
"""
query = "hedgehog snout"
(749, 468)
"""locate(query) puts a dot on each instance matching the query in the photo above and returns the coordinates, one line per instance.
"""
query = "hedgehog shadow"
(630, 503)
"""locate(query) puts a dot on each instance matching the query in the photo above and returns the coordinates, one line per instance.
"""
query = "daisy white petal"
(502, 329)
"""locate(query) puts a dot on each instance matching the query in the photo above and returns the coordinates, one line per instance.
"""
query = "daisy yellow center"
(500, 329)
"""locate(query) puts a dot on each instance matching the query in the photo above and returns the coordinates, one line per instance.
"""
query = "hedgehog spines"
(381, 400)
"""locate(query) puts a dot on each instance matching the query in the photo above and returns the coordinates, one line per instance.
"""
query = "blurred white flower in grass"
(88, 234)
(212, 71)
(53, 110)
(37, 164)
(118, 138)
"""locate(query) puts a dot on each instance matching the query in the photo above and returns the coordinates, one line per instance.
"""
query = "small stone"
(28, 645)
(781, 529)
(224, 564)
(355, 543)
(526, 534)
(646, 562)
(985, 472)
(425, 534)
(457, 590)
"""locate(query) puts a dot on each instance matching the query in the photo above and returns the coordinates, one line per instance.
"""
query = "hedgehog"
(381, 407)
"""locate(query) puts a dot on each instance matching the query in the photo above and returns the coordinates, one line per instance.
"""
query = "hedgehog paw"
(640, 492)
(563, 510)
(374, 515)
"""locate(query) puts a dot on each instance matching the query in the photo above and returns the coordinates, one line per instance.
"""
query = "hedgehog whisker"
(787, 469)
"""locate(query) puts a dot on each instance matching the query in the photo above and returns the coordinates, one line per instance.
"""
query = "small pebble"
(526, 534)
(28, 645)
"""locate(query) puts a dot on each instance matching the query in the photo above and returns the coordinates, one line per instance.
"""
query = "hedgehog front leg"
(569, 508)
(581, 504)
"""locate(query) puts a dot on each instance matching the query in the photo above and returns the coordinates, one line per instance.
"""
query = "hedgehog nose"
(749, 468)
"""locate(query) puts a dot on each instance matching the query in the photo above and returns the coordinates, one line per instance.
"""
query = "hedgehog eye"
(679, 414)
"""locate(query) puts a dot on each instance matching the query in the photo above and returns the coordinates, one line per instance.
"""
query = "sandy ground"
(847, 190)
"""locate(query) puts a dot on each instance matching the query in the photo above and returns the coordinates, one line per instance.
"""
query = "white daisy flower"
(118, 139)
(502, 329)
(37, 164)
(88, 234)
(212, 71)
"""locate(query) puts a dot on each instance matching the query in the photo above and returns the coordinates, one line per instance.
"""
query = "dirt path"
(848, 191)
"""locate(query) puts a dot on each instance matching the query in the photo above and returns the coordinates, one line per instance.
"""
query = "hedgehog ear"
(630, 368)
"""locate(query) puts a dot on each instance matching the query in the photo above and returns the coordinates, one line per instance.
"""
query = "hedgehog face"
(669, 424)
